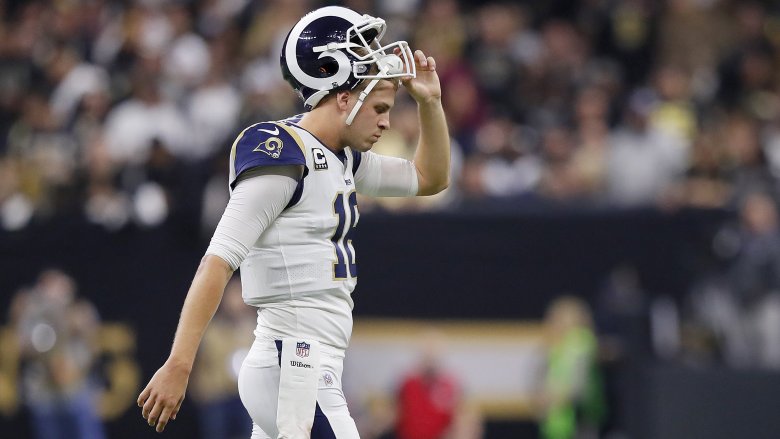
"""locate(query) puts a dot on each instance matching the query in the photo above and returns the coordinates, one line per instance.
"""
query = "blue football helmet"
(333, 49)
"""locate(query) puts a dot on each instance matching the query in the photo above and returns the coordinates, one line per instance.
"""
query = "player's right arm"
(263, 188)
(162, 397)
(253, 206)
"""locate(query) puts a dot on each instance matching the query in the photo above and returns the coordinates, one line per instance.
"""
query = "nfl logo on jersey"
(302, 349)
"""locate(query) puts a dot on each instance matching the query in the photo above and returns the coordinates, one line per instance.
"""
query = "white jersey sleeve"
(383, 176)
(254, 204)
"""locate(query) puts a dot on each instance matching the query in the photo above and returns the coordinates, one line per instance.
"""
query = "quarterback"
(290, 221)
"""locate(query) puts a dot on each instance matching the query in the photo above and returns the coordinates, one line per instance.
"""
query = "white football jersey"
(302, 270)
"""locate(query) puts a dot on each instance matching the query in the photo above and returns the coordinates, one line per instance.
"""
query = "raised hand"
(425, 87)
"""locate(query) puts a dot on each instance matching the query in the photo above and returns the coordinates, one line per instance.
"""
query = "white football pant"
(258, 386)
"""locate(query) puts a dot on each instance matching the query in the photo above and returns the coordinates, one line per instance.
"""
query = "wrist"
(429, 100)
(179, 364)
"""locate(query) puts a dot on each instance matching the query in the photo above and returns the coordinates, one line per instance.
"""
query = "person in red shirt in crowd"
(428, 398)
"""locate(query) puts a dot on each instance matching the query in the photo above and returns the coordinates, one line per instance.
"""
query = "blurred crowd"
(123, 111)
(55, 349)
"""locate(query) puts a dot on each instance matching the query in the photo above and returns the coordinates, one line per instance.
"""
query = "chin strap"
(315, 99)
(361, 98)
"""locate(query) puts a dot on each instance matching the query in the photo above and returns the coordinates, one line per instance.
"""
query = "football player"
(290, 221)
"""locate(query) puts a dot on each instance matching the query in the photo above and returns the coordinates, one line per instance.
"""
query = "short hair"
(364, 83)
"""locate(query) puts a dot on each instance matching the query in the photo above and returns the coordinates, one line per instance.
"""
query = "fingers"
(426, 63)
(176, 410)
(161, 400)
(407, 57)
(158, 412)
(147, 407)
(419, 58)
(162, 421)
(154, 414)
(143, 397)
(151, 409)
(423, 62)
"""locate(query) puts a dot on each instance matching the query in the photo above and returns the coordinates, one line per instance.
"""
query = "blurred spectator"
(733, 313)
(500, 28)
(133, 126)
(755, 278)
(216, 17)
(693, 37)
(56, 331)
(46, 155)
(74, 80)
(16, 208)
(401, 141)
(591, 135)
(464, 105)
(213, 110)
(559, 179)
(643, 161)
(627, 32)
(186, 59)
(707, 183)
(572, 401)
(621, 317)
(215, 372)
(444, 33)
(104, 203)
(746, 76)
(620, 314)
(428, 397)
(674, 112)
(506, 161)
(747, 165)
(563, 63)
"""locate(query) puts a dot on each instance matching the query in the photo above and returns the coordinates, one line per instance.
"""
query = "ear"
(342, 100)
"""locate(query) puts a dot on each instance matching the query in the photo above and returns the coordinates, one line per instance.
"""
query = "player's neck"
(324, 128)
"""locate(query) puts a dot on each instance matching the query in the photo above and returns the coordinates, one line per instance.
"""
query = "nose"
(384, 123)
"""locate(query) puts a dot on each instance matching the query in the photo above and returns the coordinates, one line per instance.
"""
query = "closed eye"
(382, 108)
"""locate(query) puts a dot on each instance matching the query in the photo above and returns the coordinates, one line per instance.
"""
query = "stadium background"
(592, 138)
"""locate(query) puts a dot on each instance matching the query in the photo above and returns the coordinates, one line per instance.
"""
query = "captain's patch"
(320, 161)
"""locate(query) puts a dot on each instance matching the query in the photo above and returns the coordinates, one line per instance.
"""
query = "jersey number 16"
(347, 213)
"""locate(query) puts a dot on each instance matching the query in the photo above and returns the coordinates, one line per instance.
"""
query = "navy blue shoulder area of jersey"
(357, 156)
(268, 144)
(294, 119)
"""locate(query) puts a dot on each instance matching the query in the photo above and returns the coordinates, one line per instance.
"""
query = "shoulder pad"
(267, 144)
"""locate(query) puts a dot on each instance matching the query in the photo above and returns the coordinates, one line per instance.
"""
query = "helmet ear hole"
(328, 68)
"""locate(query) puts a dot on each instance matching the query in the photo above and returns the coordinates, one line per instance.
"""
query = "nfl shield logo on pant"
(302, 349)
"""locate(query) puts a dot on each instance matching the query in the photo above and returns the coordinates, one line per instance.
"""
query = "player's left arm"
(432, 158)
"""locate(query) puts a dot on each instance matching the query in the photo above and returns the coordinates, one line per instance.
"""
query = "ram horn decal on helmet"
(321, 83)
(335, 48)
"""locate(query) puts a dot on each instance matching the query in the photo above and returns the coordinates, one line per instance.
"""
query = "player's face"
(373, 118)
